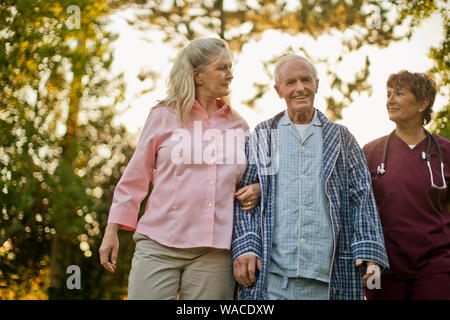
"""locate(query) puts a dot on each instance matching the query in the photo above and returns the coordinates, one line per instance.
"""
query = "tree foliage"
(60, 153)
(416, 11)
(356, 23)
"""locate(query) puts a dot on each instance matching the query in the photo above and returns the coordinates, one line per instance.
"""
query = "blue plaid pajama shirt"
(356, 224)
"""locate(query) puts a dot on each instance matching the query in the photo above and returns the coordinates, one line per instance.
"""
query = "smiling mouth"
(299, 98)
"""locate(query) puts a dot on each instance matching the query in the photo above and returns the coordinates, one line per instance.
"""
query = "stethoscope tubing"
(381, 169)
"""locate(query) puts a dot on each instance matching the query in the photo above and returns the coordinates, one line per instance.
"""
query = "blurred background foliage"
(61, 153)
(355, 22)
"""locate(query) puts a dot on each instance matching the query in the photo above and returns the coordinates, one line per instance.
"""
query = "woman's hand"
(249, 196)
(109, 248)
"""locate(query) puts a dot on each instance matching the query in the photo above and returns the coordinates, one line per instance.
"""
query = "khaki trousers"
(159, 272)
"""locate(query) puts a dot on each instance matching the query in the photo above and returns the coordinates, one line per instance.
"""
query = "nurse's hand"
(249, 196)
(372, 268)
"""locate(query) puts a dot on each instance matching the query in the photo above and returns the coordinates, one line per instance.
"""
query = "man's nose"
(299, 86)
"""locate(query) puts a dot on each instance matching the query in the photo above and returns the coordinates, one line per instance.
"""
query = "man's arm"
(368, 240)
(246, 241)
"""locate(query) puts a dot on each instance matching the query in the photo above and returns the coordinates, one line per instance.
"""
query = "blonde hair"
(288, 58)
(181, 86)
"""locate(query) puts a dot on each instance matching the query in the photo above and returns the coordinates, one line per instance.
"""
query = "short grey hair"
(288, 58)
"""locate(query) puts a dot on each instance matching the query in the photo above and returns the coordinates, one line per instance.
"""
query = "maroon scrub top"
(414, 216)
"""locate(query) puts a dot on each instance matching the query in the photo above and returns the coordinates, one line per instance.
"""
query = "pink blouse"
(194, 170)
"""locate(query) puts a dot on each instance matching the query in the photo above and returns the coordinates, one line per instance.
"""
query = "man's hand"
(372, 268)
(244, 269)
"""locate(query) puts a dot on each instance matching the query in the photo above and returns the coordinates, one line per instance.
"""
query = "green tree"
(364, 22)
(416, 12)
(357, 23)
(60, 153)
(440, 124)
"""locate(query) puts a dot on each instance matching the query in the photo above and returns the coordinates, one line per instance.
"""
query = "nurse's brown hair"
(421, 86)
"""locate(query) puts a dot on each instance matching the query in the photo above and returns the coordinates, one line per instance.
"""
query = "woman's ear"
(197, 77)
(424, 105)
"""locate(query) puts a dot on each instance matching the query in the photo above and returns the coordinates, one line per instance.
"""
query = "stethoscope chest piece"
(380, 169)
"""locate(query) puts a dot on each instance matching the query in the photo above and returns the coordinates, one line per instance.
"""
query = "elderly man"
(316, 234)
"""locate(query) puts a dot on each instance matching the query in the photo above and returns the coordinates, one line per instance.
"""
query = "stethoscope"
(425, 156)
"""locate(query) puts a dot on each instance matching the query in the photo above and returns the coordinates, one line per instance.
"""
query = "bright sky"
(366, 118)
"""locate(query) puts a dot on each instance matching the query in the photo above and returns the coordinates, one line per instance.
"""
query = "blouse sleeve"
(133, 185)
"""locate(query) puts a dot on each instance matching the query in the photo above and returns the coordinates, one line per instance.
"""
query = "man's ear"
(317, 85)
(197, 77)
(277, 89)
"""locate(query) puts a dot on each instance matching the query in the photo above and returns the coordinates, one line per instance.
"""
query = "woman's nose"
(390, 99)
(229, 75)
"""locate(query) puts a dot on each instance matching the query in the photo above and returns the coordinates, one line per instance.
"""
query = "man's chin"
(301, 106)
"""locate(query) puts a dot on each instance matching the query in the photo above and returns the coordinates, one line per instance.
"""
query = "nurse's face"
(403, 107)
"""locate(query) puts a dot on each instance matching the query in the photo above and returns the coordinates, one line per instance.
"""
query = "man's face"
(297, 85)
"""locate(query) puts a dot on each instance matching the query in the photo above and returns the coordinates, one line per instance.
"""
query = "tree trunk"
(57, 289)
(222, 20)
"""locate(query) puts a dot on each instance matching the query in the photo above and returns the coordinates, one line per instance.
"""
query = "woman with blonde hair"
(192, 150)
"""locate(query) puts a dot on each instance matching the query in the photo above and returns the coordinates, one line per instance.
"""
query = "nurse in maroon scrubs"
(410, 171)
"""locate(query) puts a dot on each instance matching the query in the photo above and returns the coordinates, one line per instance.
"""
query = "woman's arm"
(249, 196)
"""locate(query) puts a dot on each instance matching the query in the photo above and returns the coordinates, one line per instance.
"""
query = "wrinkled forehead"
(296, 67)
(224, 56)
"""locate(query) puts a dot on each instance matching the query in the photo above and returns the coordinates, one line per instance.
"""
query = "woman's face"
(215, 79)
(403, 107)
